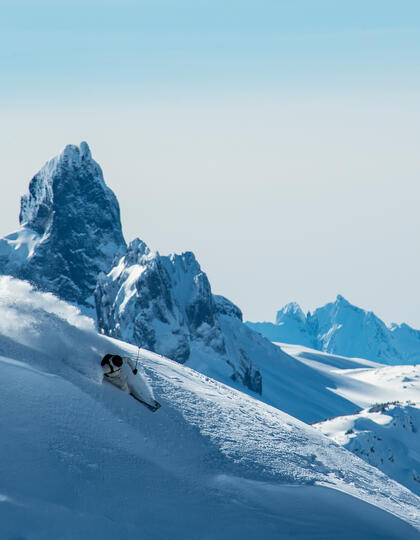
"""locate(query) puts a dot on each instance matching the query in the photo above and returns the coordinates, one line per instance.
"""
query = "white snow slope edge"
(81, 459)
(386, 433)
(386, 436)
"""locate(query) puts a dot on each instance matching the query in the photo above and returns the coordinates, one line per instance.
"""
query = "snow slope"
(386, 436)
(80, 459)
(165, 304)
(344, 329)
(361, 382)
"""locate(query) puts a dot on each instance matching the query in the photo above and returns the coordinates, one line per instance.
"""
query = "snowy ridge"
(344, 329)
(385, 435)
(172, 473)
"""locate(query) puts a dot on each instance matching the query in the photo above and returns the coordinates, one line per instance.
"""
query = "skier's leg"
(140, 389)
(153, 408)
(119, 381)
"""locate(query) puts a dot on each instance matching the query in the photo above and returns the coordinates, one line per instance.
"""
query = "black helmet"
(114, 359)
(117, 360)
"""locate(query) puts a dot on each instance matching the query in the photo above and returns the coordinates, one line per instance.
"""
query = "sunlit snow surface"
(81, 459)
(359, 381)
(386, 436)
(19, 245)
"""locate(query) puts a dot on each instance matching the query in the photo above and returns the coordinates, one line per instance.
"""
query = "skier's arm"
(106, 369)
(131, 364)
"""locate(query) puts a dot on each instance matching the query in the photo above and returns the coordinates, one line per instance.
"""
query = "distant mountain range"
(346, 330)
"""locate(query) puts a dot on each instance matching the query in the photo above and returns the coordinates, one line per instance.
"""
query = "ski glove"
(135, 371)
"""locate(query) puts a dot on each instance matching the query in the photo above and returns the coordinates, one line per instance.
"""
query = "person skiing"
(116, 370)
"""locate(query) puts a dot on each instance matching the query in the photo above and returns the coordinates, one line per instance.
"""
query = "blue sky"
(177, 46)
(278, 140)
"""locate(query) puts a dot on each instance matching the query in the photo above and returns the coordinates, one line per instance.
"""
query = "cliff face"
(70, 228)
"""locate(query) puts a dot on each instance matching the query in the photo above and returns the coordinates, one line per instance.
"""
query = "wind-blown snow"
(81, 459)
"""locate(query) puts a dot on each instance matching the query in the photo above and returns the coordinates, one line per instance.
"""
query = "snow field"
(81, 459)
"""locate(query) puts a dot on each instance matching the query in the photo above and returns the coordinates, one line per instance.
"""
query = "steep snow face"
(165, 305)
(70, 228)
(211, 463)
(344, 329)
(386, 435)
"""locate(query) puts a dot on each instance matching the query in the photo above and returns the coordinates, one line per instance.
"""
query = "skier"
(115, 368)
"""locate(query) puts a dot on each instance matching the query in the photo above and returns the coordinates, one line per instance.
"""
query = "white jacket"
(124, 376)
(118, 375)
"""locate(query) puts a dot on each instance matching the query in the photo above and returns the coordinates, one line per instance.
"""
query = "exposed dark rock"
(74, 220)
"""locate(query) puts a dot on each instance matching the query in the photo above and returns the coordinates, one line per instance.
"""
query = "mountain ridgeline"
(165, 304)
(70, 243)
(344, 329)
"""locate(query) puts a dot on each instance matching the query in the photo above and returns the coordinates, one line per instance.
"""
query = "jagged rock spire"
(76, 223)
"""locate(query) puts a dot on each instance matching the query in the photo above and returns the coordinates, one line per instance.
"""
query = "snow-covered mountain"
(344, 329)
(385, 435)
(70, 228)
(81, 459)
(71, 233)
(165, 304)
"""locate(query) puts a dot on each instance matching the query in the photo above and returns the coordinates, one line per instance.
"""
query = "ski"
(152, 408)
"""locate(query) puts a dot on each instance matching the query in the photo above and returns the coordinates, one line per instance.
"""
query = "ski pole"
(138, 352)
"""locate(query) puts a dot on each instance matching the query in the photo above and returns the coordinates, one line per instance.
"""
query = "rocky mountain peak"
(138, 252)
(73, 221)
(290, 310)
(72, 168)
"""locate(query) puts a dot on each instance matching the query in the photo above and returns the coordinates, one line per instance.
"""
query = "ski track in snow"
(81, 459)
